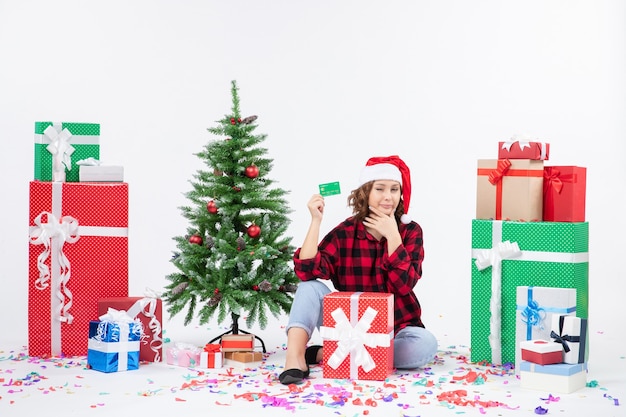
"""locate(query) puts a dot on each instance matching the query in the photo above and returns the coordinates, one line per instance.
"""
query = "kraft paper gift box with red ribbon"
(571, 333)
(523, 149)
(564, 193)
(357, 335)
(237, 342)
(536, 306)
(542, 352)
(563, 378)
(211, 356)
(509, 189)
(506, 255)
(243, 359)
(78, 255)
(114, 342)
(59, 146)
(183, 354)
(149, 310)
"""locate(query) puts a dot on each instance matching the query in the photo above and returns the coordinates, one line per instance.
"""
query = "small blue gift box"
(562, 377)
(113, 346)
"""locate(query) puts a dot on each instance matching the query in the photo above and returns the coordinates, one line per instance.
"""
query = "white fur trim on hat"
(380, 172)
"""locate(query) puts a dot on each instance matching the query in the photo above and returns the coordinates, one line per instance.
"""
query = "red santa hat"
(389, 168)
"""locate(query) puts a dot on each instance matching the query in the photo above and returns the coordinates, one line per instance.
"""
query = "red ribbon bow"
(212, 347)
(552, 180)
(496, 175)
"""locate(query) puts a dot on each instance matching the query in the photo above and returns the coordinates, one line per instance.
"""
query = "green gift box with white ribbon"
(508, 254)
(58, 146)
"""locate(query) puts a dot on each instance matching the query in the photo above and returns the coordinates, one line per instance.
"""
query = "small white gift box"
(571, 333)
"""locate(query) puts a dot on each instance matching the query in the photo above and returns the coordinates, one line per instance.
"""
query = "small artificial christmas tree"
(235, 257)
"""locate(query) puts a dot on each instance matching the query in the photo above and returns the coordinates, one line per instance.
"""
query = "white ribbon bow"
(61, 151)
(118, 316)
(123, 320)
(491, 257)
(351, 340)
(53, 234)
(91, 161)
(523, 140)
(120, 321)
(149, 301)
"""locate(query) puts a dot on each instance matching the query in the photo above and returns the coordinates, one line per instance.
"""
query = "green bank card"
(330, 188)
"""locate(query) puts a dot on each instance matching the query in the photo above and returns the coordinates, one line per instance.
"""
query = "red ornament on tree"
(254, 231)
(252, 171)
(255, 287)
(195, 240)
(211, 207)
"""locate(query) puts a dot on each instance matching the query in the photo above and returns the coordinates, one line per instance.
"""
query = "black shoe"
(310, 354)
(293, 376)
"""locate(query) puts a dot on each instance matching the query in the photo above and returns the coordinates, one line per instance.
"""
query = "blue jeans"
(413, 347)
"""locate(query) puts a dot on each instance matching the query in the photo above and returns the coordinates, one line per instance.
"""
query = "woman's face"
(385, 196)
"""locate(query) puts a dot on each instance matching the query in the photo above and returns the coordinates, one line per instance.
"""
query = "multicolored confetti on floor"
(450, 383)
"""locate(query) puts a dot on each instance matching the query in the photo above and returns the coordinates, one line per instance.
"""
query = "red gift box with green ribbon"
(564, 193)
(78, 255)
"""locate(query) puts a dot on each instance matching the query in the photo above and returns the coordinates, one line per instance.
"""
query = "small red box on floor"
(237, 343)
(542, 352)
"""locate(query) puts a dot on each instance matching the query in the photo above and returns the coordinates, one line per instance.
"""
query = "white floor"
(64, 387)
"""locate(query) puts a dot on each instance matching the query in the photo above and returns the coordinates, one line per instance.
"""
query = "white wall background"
(439, 82)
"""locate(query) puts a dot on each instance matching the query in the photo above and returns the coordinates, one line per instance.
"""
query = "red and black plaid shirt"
(354, 261)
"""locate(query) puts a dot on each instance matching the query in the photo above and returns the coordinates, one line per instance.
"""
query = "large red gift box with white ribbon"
(357, 335)
(149, 310)
(78, 255)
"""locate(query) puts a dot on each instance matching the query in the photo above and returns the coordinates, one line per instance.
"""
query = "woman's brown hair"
(359, 198)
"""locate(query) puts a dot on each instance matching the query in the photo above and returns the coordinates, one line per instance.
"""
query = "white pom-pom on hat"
(390, 168)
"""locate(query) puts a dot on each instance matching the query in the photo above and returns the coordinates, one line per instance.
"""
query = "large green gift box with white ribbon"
(68, 143)
(508, 254)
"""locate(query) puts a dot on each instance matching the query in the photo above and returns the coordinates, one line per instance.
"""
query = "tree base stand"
(234, 329)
